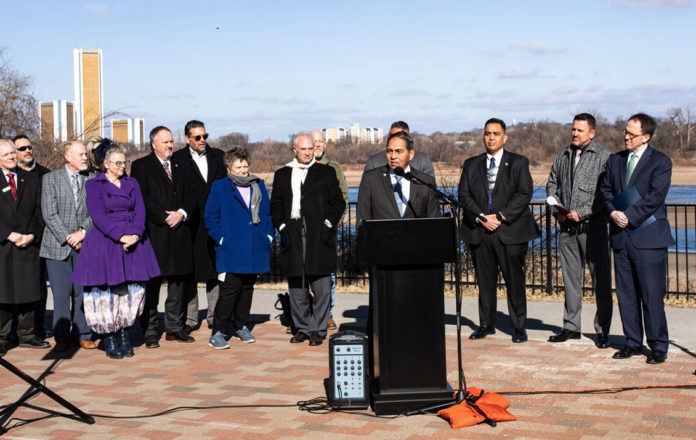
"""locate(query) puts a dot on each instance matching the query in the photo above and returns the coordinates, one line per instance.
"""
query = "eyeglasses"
(198, 137)
(121, 163)
(631, 136)
(25, 148)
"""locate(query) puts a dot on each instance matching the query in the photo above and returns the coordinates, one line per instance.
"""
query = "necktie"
(578, 152)
(631, 167)
(13, 187)
(75, 187)
(399, 196)
(166, 169)
(492, 172)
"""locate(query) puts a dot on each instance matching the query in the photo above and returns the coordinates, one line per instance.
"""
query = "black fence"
(543, 265)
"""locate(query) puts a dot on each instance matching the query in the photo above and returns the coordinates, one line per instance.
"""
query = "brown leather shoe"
(88, 344)
(331, 324)
(61, 347)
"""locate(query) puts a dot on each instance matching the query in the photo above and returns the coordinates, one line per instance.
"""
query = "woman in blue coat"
(237, 215)
(116, 258)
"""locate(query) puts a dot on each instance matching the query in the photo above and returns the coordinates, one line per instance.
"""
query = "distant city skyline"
(273, 68)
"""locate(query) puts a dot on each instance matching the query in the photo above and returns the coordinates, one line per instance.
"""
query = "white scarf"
(299, 172)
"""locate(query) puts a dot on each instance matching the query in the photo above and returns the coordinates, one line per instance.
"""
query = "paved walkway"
(230, 383)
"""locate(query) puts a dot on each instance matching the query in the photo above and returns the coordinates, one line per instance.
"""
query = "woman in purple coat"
(116, 258)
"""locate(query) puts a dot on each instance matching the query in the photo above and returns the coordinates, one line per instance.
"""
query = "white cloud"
(537, 48)
(97, 8)
(517, 73)
(654, 4)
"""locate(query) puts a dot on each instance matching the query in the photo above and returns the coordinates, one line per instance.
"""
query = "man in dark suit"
(420, 161)
(384, 195)
(25, 160)
(20, 231)
(64, 208)
(202, 166)
(495, 190)
(167, 204)
(640, 235)
(306, 207)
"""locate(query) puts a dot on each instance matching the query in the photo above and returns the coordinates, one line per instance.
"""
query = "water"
(676, 194)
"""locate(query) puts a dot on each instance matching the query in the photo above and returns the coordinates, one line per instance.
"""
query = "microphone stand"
(454, 207)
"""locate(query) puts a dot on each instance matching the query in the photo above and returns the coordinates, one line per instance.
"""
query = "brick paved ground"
(274, 372)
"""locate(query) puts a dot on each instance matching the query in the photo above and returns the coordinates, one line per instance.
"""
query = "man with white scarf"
(306, 207)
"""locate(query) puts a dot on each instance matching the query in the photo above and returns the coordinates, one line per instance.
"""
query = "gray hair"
(7, 141)
(299, 135)
(116, 149)
(68, 145)
(236, 153)
(92, 142)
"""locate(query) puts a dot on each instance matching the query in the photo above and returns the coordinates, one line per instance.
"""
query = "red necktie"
(166, 169)
(13, 187)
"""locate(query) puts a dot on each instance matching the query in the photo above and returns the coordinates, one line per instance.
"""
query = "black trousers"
(489, 255)
(234, 301)
(174, 305)
(25, 322)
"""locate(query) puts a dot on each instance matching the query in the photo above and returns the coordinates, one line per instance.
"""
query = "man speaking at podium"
(389, 193)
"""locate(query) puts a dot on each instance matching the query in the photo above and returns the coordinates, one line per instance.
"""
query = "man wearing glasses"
(25, 160)
(634, 190)
(67, 221)
(202, 165)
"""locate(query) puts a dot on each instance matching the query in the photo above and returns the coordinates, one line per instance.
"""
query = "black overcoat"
(172, 247)
(321, 201)
(203, 246)
(20, 269)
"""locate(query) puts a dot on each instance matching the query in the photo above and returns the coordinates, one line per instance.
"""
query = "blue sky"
(271, 68)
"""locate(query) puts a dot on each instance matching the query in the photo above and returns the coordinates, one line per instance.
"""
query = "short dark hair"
(402, 135)
(20, 136)
(190, 125)
(591, 121)
(400, 125)
(155, 131)
(647, 123)
(496, 121)
(237, 153)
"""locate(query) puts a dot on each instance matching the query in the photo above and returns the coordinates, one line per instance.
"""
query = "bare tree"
(18, 108)
(682, 119)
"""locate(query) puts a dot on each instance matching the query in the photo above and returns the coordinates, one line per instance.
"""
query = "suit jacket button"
(249, 223)
(111, 211)
(108, 195)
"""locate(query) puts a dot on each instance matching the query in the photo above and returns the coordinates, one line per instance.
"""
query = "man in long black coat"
(202, 165)
(167, 206)
(306, 207)
(20, 231)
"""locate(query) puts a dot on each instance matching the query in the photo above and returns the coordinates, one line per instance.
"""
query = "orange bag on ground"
(478, 407)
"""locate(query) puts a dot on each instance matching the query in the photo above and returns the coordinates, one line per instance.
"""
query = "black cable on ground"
(683, 386)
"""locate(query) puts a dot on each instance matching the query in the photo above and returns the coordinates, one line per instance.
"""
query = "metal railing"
(543, 269)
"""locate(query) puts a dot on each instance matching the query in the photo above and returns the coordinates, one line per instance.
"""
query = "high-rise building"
(128, 131)
(57, 121)
(89, 103)
(354, 133)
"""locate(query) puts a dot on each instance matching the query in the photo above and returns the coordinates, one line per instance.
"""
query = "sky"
(273, 68)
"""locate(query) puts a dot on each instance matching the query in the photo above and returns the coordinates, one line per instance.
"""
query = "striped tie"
(631, 167)
(166, 170)
(492, 173)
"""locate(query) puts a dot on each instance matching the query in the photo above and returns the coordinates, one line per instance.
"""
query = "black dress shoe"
(564, 335)
(3, 350)
(519, 335)
(188, 329)
(315, 339)
(656, 357)
(152, 342)
(299, 338)
(602, 340)
(626, 352)
(179, 336)
(482, 332)
(35, 342)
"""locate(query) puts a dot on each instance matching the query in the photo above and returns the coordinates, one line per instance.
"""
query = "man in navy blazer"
(640, 235)
(495, 190)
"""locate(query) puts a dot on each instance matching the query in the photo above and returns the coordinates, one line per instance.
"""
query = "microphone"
(400, 172)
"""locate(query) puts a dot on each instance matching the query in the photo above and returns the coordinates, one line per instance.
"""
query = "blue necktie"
(492, 172)
(399, 196)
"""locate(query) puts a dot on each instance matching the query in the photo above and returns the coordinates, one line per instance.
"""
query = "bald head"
(319, 143)
(303, 147)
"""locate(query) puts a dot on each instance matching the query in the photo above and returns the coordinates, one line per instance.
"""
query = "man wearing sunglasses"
(201, 165)
(26, 161)
(640, 236)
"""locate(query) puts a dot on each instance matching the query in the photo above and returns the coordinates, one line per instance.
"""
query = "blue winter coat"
(245, 247)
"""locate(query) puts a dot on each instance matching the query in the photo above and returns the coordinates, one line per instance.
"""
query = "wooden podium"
(407, 333)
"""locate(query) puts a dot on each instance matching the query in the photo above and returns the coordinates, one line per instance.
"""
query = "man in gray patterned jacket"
(572, 191)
